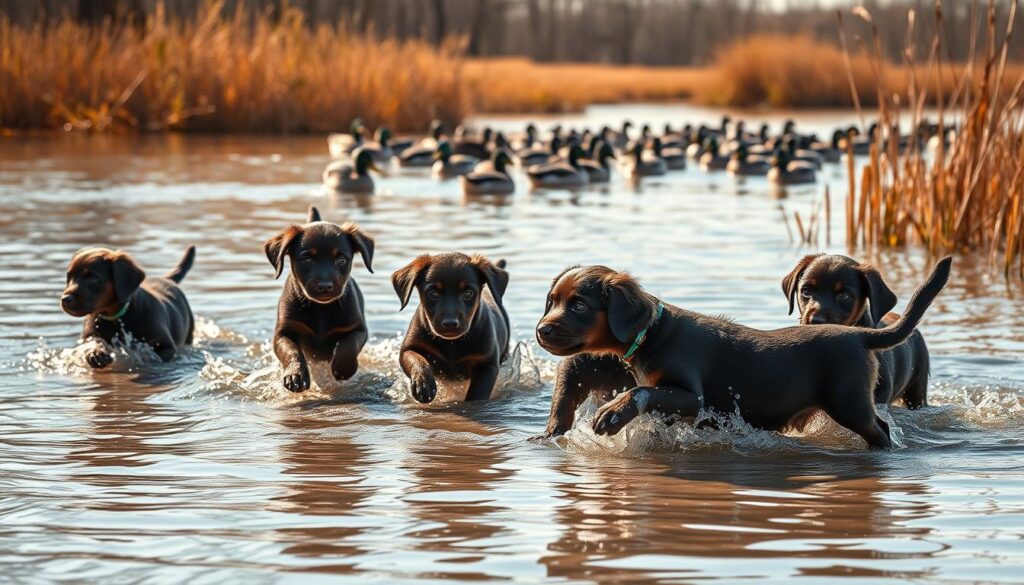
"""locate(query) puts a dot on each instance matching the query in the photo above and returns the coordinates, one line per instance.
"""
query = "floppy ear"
(128, 275)
(790, 281)
(361, 242)
(493, 274)
(881, 298)
(314, 214)
(629, 309)
(277, 247)
(404, 279)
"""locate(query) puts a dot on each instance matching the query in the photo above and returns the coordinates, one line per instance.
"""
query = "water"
(206, 469)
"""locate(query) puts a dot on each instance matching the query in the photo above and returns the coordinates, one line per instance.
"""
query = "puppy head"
(594, 309)
(321, 255)
(100, 281)
(450, 286)
(837, 289)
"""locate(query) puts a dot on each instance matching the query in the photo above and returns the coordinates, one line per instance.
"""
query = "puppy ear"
(791, 280)
(493, 274)
(882, 299)
(276, 248)
(127, 274)
(404, 279)
(361, 242)
(629, 309)
(314, 214)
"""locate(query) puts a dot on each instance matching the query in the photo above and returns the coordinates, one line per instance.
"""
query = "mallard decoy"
(462, 143)
(598, 169)
(351, 176)
(830, 152)
(791, 145)
(637, 165)
(621, 139)
(675, 159)
(449, 166)
(559, 174)
(711, 159)
(421, 154)
(697, 137)
(744, 165)
(342, 144)
(785, 171)
(380, 148)
(493, 182)
(539, 154)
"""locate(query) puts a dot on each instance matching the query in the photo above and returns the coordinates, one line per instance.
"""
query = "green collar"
(640, 337)
(116, 316)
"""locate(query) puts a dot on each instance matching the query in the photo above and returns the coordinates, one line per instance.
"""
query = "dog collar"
(120, 313)
(640, 337)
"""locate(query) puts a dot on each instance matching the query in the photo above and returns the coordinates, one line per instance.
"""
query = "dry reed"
(964, 196)
(224, 74)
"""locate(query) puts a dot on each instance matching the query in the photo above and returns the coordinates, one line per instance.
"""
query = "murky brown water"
(205, 469)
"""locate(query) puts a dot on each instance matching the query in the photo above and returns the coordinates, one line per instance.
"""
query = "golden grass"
(967, 196)
(515, 85)
(221, 74)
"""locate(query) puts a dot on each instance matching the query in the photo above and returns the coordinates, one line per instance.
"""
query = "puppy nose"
(325, 286)
(545, 331)
(450, 323)
(67, 298)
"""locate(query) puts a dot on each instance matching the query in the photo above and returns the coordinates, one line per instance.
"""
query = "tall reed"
(221, 73)
(962, 196)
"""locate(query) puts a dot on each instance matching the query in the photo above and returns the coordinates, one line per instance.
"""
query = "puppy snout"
(68, 298)
(450, 323)
(325, 286)
(545, 331)
(817, 319)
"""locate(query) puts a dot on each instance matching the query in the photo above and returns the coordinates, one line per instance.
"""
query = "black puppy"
(839, 290)
(460, 329)
(686, 362)
(320, 314)
(112, 292)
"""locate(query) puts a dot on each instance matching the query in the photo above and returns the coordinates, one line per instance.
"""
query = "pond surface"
(206, 469)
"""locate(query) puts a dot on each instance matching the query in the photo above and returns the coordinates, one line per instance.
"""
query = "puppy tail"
(179, 272)
(900, 330)
(501, 264)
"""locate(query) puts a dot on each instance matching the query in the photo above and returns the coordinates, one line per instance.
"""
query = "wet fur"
(690, 362)
(316, 323)
(101, 281)
(451, 336)
(903, 370)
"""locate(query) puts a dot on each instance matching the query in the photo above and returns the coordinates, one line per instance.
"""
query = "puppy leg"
(615, 415)
(345, 359)
(296, 373)
(853, 407)
(578, 376)
(164, 348)
(916, 393)
(482, 381)
(98, 357)
(422, 383)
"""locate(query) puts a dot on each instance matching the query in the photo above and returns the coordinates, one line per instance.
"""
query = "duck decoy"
(421, 154)
(785, 171)
(597, 166)
(495, 181)
(559, 174)
(449, 166)
(352, 176)
(637, 165)
(742, 164)
(342, 144)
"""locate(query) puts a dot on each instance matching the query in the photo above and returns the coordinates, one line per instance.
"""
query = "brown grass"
(516, 85)
(968, 197)
(221, 74)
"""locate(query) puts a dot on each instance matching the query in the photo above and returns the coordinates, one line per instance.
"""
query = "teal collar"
(116, 316)
(640, 337)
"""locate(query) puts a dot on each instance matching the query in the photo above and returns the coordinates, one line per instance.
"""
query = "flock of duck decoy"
(569, 158)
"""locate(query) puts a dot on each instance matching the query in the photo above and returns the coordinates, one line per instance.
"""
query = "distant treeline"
(648, 32)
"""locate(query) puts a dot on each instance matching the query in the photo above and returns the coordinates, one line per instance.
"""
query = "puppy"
(839, 290)
(460, 330)
(685, 362)
(320, 315)
(112, 292)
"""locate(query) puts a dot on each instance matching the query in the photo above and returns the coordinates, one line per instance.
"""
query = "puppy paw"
(99, 358)
(296, 379)
(616, 414)
(423, 387)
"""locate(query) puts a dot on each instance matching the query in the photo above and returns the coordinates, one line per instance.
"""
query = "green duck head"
(364, 162)
(443, 151)
(500, 159)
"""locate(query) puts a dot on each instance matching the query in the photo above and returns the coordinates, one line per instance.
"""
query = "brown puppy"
(839, 290)
(685, 362)
(320, 314)
(112, 292)
(460, 330)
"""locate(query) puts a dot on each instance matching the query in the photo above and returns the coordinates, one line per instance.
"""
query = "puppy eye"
(306, 260)
(341, 260)
(579, 307)
(805, 292)
(844, 297)
(467, 295)
(433, 295)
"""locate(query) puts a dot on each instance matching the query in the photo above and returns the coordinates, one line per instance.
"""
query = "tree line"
(648, 32)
